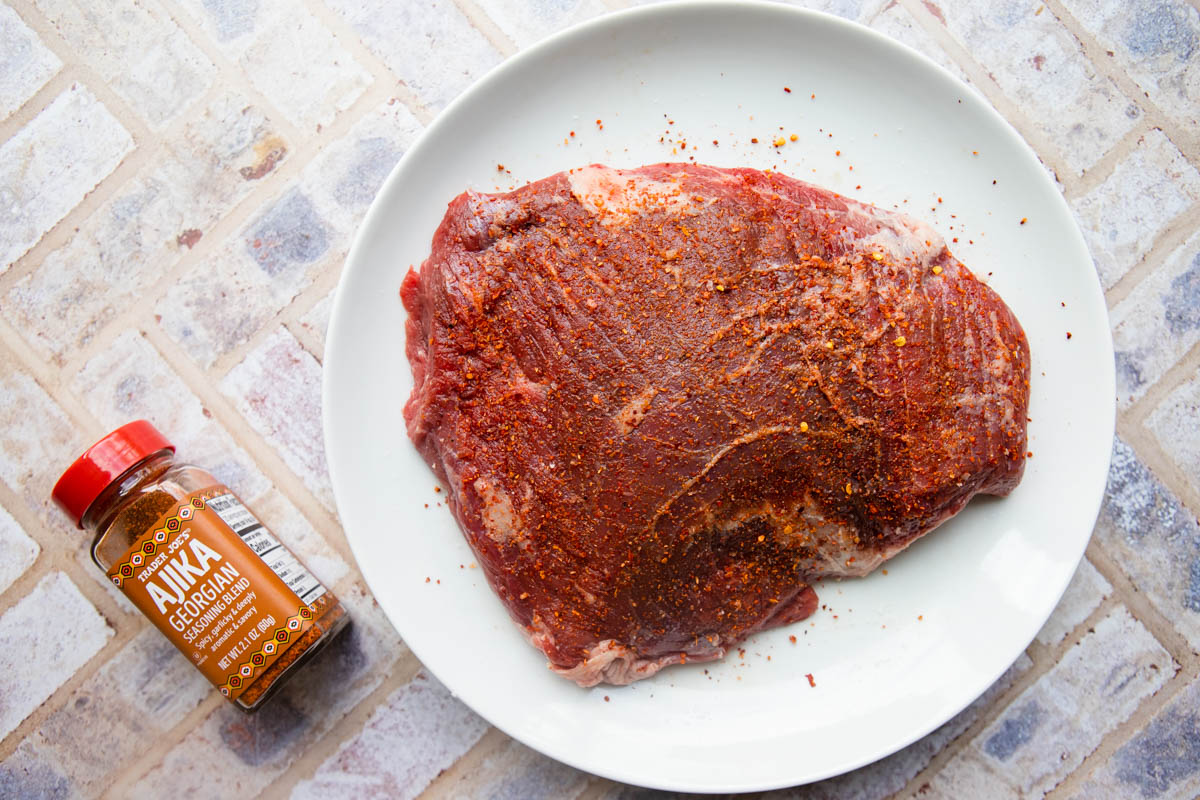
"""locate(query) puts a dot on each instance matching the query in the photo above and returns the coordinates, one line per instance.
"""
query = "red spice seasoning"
(186, 551)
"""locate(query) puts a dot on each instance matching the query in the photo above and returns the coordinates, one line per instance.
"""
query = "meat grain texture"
(665, 400)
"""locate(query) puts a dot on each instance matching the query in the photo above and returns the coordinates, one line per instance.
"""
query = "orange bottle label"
(220, 587)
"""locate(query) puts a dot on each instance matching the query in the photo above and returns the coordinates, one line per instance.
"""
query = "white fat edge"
(616, 195)
(499, 518)
(898, 237)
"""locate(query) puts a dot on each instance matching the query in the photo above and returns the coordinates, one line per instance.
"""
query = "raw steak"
(664, 400)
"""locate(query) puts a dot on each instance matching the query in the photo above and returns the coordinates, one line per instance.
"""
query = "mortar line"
(443, 786)
(54, 86)
(1164, 469)
(32, 723)
(483, 23)
(597, 788)
(142, 156)
(72, 61)
(1171, 237)
(229, 74)
(1140, 607)
(1044, 660)
(286, 482)
(351, 723)
(1184, 368)
(1104, 167)
(330, 264)
(57, 553)
(64, 229)
(240, 215)
(13, 349)
(1124, 732)
(993, 93)
(1097, 55)
(380, 72)
(121, 781)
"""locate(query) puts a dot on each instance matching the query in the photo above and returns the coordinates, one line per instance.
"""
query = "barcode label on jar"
(267, 547)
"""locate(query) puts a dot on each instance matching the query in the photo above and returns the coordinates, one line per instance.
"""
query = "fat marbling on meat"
(665, 400)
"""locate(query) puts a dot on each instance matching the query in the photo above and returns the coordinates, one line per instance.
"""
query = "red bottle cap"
(103, 463)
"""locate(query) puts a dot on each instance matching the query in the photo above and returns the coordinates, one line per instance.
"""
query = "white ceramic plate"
(893, 656)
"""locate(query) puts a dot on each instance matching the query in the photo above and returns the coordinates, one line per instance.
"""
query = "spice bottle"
(186, 551)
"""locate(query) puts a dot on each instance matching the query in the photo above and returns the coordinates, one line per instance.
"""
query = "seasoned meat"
(664, 400)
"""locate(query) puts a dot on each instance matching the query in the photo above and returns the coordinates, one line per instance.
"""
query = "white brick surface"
(47, 636)
(109, 720)
(417, 732)
(148, 225)
(139, 51)
(25, 63)
(278, 389)
(1155, 41)
(38, 443)
(1039, 65)
(1053, 725)
(1083, 595)
(1174, 422)
(1122, 216)
(411, 40)
(17, 550)
(130, 380)
(277, 253)
(51, 164)
(288, 55)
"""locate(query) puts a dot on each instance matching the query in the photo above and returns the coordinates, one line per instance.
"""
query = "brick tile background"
(180, 182)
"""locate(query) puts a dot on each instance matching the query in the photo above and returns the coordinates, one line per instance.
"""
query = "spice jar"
(186, 551)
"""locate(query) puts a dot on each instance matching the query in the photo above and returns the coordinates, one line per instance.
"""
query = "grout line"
(63, 230)
(57, 553)
(1099, 172)
(58, 699)
(1141, 607)
(444, 785)
(57, 83)
(161, 746)
(72, 63)
(327, 272)
(399, 674)
(225, 228)
(1161, 466)
(14, 349)
(1044, 660)
(598, 788)
(983, 82)
(1098, 57)
(1165, 243)
(1124, 731)
(379, 71)
(488, 27)
(229, 73)
(1184, 368)
(285, 481)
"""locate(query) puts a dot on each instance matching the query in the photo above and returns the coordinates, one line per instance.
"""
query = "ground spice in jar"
(190, 555)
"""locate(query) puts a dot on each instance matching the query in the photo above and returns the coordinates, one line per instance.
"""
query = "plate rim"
(596, 27)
